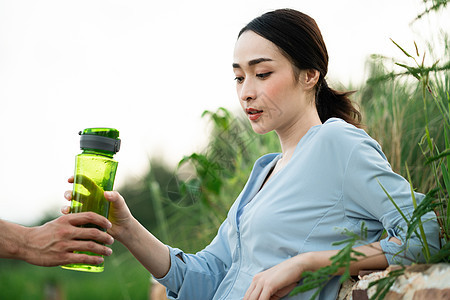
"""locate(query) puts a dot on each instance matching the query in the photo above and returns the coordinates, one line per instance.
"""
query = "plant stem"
(422, 232)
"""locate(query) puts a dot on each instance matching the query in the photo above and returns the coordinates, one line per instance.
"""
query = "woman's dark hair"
(299, 39)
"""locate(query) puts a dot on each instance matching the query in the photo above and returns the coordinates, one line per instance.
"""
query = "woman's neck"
(290, 137)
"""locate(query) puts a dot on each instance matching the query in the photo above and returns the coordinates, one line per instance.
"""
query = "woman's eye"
(263, 75)
(239, 79)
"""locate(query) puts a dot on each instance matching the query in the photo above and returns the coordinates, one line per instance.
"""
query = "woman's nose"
(248, 91)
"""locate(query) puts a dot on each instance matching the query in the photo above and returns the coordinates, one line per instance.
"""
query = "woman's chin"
(260, 129)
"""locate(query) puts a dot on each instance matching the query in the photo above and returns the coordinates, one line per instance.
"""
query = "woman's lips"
(253, 113)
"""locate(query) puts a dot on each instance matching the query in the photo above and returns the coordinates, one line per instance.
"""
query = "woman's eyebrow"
(253, 62)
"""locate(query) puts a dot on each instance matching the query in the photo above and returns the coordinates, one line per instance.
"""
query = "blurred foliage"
(393, 113)
(411, 120)
(431, 6)
(144, 197)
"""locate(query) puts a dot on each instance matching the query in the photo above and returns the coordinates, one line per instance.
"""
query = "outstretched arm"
(147, 249)
(281, 279)
(53, 243)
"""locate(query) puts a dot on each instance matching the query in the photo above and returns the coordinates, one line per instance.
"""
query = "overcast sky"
(149, 69)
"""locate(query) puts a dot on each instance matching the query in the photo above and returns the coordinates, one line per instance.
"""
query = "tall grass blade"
(428, 204)
(443, 255)
(417, 49)
(384, 284)
(403, 50)
(393, 202)
(423, 237)
(411, 70)
(159, 211)
(444, 153)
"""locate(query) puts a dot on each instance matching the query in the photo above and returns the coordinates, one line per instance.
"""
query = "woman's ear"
(311, 77)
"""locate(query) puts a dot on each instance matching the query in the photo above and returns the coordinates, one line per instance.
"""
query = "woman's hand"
(278, 281)
(119, 214)
(150, 252)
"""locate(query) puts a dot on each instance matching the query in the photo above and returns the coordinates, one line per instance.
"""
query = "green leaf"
(411, 70)
(403, 50)
(427, 205)
(443, 255)
(417, 49)
(444, 153)
(319, 278)
(393, 202)
(384, 284)
(418, 220)
(430, 143)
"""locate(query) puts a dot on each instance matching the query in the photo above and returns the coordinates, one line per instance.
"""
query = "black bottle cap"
(105, 139)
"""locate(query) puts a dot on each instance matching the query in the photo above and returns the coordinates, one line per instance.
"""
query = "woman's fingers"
(284, 291)
(114, 196)
(68, 195)
(65, 210)
(276, 282)
(252, 292)
(119, 209)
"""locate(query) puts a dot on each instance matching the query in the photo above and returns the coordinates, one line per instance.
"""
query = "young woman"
(285, 220)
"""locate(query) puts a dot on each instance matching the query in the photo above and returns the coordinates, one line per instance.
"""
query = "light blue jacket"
(329, 184)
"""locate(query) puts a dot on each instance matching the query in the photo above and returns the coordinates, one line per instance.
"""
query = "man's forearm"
(11, 240)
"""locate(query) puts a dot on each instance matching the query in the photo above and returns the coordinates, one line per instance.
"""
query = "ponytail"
(331, 103)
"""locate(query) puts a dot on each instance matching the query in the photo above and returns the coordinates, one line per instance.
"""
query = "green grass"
(123, 278)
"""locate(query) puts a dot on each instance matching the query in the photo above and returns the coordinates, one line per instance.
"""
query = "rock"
(427, 282)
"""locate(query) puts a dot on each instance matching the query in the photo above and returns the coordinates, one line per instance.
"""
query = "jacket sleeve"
(367, 171)
(198, 276)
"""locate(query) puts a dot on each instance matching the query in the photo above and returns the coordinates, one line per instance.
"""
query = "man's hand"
(53, 243)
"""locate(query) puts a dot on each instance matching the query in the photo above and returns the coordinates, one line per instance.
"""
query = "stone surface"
(427, 282)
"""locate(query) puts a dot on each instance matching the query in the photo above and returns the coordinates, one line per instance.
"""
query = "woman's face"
(268, 92)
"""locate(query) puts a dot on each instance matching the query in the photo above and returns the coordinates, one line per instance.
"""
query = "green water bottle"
(95, 170)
